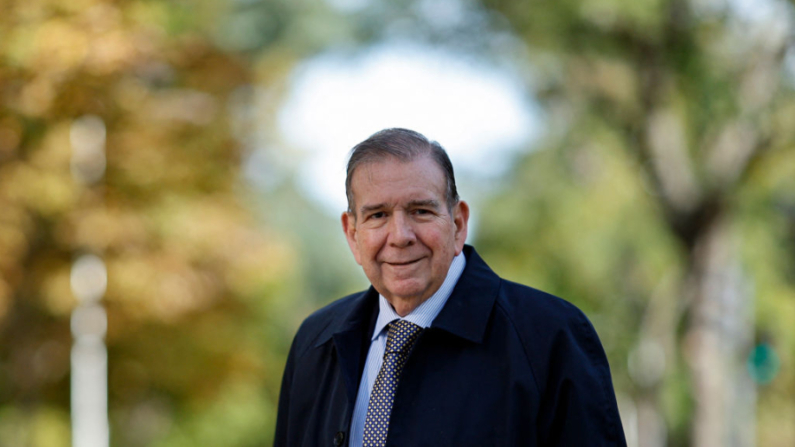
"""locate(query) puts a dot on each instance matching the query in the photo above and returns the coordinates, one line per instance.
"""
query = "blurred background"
(171, 179)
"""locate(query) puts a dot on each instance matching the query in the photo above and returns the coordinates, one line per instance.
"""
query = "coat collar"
(351, 337)
(468, 310)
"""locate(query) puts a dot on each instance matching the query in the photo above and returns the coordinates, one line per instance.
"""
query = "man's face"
(402, 233)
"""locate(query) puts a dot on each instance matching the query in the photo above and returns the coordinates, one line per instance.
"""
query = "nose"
(401, 232)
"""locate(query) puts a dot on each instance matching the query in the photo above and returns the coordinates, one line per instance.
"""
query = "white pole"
(89, 280)
(89, 378)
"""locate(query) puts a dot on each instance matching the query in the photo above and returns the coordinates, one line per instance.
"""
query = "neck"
(404, 306)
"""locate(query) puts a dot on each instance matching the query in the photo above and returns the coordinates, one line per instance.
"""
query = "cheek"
(369, 245)
(441, 238)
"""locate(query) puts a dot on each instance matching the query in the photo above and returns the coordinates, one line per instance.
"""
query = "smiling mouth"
(400, 264)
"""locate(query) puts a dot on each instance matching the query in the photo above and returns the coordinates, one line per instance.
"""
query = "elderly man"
(440, 351)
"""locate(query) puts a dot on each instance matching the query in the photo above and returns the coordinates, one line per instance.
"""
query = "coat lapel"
(467, 311)
(352, 340)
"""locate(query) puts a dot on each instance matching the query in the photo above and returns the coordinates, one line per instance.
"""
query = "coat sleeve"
(282, 436)
(578, 406)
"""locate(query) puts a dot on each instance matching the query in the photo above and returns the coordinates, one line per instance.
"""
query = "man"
(440, 351)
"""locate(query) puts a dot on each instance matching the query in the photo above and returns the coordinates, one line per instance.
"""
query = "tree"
(661, 202)
(117, 139)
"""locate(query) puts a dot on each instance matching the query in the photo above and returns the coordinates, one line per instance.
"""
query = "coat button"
(339, 438)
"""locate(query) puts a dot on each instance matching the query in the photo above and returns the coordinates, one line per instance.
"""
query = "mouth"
(404, 263)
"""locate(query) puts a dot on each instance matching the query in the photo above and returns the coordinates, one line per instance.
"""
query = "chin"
(405, 291)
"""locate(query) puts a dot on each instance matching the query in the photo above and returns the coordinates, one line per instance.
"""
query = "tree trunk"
(718, 341)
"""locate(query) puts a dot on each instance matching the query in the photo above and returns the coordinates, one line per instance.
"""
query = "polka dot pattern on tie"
(400, 338)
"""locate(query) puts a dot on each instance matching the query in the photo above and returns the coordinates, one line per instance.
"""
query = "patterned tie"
(399, 340)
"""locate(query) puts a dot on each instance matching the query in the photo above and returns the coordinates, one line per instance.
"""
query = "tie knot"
(401, 336)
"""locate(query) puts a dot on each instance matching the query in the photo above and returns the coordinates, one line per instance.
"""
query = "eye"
(377, 215)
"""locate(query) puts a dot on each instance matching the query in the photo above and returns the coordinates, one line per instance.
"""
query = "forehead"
(393, 179)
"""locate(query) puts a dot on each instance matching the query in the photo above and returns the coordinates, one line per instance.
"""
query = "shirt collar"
(425, 313)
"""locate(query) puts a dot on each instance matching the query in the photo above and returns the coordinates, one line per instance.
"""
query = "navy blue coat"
(502, 365)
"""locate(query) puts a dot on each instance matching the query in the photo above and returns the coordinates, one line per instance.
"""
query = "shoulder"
(530, 311)
(536, 312)
(534, 316)
(553, 331)
(558, 339)
(325, 321)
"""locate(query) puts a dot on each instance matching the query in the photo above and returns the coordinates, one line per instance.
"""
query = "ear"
(349, 228)
(460, 220)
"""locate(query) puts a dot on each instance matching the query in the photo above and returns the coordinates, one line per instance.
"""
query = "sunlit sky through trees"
(479, 113)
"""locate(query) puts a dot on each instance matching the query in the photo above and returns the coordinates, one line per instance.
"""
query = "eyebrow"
(430, 203)
(424, 203)
(367, 208)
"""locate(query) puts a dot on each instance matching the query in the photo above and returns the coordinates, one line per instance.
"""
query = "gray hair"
(404, 145)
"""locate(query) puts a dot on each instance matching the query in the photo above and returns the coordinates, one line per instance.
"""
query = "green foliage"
(668, 163)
